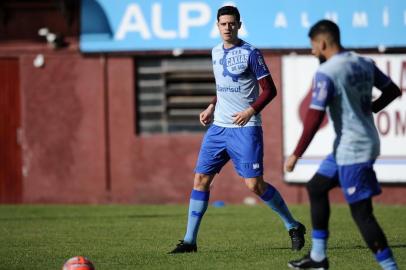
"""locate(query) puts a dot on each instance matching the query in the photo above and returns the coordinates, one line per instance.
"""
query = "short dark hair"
(228, 10)
(326, 27)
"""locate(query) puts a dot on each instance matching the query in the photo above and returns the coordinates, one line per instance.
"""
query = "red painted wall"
(80, 146)
(63, 129)
(78, 125)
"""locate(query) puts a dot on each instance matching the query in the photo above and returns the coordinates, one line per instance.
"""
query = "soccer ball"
(78, 263)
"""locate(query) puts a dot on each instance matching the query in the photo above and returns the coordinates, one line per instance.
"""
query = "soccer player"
(236, 132)
(343, 84)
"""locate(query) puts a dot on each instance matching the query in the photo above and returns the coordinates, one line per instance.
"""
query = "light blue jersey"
(237, 71)
(343, 85)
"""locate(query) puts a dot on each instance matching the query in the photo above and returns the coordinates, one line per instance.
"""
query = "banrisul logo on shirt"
(234, 63)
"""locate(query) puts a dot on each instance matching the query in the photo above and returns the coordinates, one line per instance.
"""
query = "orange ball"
(78, 263)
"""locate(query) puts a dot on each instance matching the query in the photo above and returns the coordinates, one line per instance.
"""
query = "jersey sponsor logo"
(228, 89)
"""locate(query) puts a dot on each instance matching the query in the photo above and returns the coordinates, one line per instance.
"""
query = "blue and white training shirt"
(237, 71)
(343, 84)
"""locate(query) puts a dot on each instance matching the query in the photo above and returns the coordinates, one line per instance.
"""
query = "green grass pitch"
(138, 237)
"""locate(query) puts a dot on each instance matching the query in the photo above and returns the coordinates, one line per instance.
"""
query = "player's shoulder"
(252, 50)
(248, 47)
(357, 55)
(351, 56)
(336, 63)
(327, 68)
(218, 48)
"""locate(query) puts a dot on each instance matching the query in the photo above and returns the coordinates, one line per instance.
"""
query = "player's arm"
(323, 90)
(268, 93)
(256, 64)
(206, 116)
(390, 91)
(258, 67)
(312, 122)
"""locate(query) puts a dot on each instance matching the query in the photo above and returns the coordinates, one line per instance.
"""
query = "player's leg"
(212, 157)
(359, 185)
(245, 148)
(199, 200)
(271, 197)
(373, 235)
(318, 188)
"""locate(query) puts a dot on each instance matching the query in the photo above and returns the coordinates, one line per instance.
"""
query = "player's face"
(228, 28)
(318, 46)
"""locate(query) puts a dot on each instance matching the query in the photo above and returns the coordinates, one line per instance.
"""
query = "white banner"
(297, 74)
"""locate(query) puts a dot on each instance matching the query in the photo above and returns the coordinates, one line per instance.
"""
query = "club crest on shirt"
(234, 63)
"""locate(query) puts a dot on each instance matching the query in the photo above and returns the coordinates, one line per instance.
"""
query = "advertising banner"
(129, 25)
(297, 74)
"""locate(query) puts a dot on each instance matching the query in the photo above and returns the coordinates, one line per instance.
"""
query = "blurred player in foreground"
(236, 133)
(343, 85)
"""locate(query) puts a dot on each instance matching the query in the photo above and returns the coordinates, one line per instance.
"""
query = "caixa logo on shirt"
(234, 63)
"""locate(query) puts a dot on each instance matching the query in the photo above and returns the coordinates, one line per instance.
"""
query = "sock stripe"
(320, 234)
(269, 193)
(200, 195)
(383, 255)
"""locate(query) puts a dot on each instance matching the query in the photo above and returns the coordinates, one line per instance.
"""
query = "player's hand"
(242, 118)
(290, 163)
(206, 116)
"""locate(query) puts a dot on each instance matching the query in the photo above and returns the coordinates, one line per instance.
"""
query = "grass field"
(138, 237)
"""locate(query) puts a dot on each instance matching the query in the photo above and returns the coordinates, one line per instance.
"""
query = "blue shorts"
(243, 145)
(358, 181)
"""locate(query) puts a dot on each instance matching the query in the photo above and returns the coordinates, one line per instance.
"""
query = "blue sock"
(386, 260)
(273, 199)
(319, 245)
(199, 201)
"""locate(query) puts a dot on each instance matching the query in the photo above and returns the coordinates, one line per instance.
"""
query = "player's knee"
(254, 188)
(318, 185)
(362, 213)
(202, 181)
(256, 185)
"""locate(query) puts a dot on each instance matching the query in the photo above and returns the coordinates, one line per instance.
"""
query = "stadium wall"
(79, 144)
(78, 138)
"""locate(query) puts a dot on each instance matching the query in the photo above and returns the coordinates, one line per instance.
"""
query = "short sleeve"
(322, 91)
(257, 64)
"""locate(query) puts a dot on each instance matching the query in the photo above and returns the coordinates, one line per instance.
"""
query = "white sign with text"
(297, 74)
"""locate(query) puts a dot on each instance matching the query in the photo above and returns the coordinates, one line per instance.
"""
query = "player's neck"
(333, 51)
(231, 43)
